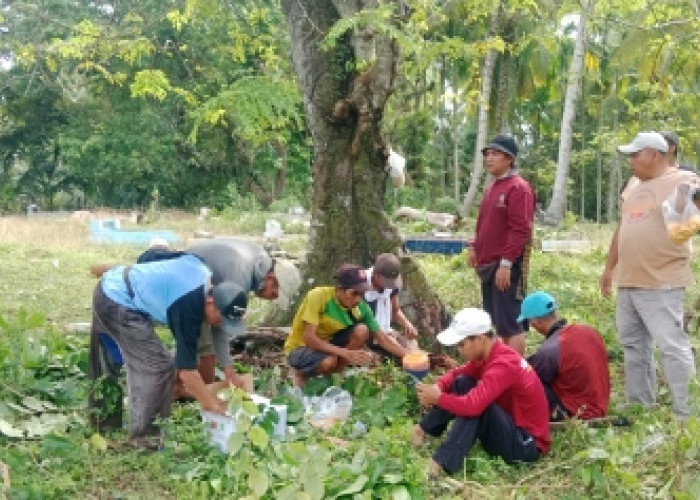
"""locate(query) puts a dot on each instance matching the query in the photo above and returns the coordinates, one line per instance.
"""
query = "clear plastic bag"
(681, 215)
(324, 411)
(334, 403)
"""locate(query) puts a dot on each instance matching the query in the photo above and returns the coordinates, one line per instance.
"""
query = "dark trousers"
(150, 371)
(494, 428)
(504, 306)
(557, 410)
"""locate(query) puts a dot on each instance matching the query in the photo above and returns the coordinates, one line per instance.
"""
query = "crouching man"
(332, 326)
(572, 362)
(496, 397)
(385, 283)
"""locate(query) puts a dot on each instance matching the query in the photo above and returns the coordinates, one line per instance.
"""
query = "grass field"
(46, 285)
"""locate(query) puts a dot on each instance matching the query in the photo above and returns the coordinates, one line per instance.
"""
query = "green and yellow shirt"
(321, 308)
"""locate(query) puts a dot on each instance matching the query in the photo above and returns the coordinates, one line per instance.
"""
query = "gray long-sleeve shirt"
(231, 259)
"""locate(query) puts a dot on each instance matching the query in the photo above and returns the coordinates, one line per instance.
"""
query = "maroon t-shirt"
(507, 379)
(573, 361)
(504, 225)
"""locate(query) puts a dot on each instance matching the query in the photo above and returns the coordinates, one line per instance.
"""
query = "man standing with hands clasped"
(500, 249)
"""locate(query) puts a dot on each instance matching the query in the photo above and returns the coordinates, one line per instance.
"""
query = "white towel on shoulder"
(383, 312)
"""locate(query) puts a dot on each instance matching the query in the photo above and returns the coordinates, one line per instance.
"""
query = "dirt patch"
(263, 358)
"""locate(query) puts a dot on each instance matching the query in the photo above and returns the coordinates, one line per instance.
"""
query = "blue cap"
(537, 305)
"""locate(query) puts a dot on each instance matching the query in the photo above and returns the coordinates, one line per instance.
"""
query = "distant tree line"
(196, 102)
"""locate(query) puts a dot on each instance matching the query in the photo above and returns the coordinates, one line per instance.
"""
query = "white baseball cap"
(652, 140)
(469, 322)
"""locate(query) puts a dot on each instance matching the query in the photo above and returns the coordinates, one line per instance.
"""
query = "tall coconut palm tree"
(557, 208)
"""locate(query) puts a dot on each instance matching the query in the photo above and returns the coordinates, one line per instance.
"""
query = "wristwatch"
(506, 263)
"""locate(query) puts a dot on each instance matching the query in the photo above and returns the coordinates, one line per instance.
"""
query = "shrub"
(296, 227)
(445, 204)
(284, 204)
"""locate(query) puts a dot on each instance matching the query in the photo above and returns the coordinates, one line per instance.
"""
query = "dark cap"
(231, 301)
(352, 276)
(504, 143)
(387, 267)
(671, 138)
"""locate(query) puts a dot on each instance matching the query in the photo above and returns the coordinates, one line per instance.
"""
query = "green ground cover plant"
(51, 452)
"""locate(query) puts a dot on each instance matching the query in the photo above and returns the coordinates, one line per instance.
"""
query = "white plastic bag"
(397, 169)
(680, 213)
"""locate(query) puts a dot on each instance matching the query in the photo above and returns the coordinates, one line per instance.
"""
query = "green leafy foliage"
(124, 85)
(378, 20)
(31, 392)
(223, 75)
(152, 83)
(257, 107)
(43, 390)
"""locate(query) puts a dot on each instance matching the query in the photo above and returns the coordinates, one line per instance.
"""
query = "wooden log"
(615, 420)
(260, 336)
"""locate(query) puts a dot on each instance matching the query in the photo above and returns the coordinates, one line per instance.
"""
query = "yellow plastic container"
(417, 364)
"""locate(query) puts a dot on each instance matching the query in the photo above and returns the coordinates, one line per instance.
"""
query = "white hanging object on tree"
(397, 169)
(273, 230)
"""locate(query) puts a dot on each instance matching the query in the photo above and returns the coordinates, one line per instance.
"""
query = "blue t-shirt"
(170, 292)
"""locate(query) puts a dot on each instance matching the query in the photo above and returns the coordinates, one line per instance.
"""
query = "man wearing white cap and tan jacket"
(496, 397)
(652, 273)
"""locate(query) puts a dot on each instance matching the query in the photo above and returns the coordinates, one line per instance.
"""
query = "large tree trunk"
(344, 113)
(483, 120)
(556, 210)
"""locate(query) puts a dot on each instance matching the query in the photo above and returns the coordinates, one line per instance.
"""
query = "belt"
(127, 281)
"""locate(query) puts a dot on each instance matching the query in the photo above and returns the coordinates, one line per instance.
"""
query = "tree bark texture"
(344, 110)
